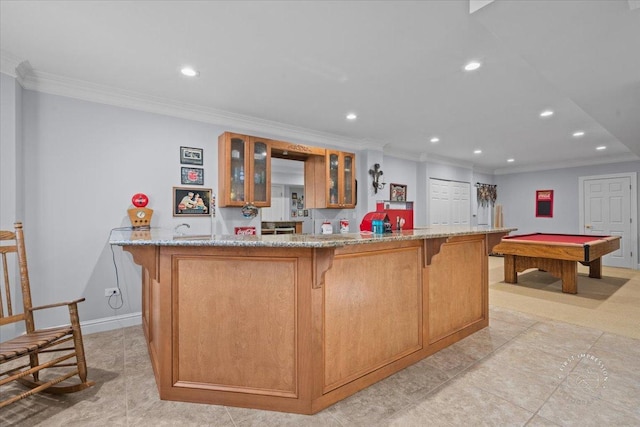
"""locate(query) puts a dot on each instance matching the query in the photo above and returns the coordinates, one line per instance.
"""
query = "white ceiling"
(296, 68)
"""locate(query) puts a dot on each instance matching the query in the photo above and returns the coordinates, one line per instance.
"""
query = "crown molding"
(73, 88)
(434, 158)
(9, 64)
(566, 165)
(54, 84)
(406, 155)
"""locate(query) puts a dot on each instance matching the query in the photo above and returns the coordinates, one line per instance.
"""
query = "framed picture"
(398, 193)
(191, 201)
(193, 176)
(191, 156)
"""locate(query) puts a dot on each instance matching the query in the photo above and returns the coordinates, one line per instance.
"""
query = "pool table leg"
(595, 268)
(510, 274)
(569, 277)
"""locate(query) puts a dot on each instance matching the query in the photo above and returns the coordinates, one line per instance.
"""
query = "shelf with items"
(244, 170)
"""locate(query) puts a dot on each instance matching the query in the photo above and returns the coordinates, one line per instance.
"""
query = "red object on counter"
(369, 217)
(406, 214)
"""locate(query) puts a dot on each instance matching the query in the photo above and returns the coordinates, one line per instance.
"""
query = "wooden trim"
(297, 149)
(432, 248)
(322, 261)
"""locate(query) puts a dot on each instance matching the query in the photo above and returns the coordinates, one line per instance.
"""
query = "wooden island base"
(296, 329)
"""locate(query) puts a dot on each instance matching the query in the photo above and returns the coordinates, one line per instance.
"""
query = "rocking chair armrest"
(59, 304)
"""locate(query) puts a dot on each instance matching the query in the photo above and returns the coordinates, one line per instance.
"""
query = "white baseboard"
(111, 323)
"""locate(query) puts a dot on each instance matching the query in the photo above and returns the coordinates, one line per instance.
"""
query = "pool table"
(557, 254)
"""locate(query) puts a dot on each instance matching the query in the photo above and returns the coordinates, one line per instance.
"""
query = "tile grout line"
(126, 383)
(226, 408)
(449, 380)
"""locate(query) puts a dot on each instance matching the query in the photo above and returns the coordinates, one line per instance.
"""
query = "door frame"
(633, 177)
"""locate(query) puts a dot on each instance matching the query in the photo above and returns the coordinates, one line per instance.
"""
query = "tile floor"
(522, 370)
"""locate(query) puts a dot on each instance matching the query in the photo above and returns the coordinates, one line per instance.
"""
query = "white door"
(277, 209)
(439, 202)
(460, 203)
(607, 211)
(450, 202)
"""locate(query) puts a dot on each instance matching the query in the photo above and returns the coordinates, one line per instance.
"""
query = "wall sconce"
(376, 173)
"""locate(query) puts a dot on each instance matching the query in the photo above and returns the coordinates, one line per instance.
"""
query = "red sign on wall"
(245, 230)
(544, 203)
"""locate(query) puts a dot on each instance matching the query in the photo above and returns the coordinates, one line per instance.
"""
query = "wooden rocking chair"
(20, 357)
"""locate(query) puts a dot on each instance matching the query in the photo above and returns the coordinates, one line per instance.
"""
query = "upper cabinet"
(342, 180)
(244, 170)
(330, 181)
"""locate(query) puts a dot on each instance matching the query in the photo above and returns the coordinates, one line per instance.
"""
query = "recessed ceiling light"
(511, 160)
(189, 72)
(602, 147)
(471, 66)
(435, 139)
(578, 134)
(352, 116)
(477, 151)
(546, 113)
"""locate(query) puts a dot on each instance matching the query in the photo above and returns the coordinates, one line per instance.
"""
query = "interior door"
(460, 203)
(439, 202)
(607, 211)
(450, 202)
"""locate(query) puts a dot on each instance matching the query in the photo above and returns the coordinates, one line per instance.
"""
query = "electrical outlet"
(111, 291)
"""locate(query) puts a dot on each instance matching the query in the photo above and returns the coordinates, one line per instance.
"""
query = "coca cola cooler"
(367, 220)
(395, 210)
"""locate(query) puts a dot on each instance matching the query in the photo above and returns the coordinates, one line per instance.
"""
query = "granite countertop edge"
(161, 237)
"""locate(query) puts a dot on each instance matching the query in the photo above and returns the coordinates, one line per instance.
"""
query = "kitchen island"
(296, 323)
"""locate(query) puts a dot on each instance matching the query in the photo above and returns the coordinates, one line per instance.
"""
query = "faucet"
(175, 230)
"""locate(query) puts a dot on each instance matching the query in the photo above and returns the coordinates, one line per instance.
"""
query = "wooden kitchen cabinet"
(332, 180)
(244, 170)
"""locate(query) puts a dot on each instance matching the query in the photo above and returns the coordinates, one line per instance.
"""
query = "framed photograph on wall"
(192, 176)
(191, 156)
(191, 201)
(398, 192)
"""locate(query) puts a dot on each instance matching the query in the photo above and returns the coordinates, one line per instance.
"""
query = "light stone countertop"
(167, 237)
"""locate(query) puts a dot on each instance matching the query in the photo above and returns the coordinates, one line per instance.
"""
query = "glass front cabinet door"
(341, 179)
(244, 170)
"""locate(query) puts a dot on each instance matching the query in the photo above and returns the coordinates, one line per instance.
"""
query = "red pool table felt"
(579, 239)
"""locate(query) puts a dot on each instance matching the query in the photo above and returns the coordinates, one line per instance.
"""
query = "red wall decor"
(544, 203)
(245, 230)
